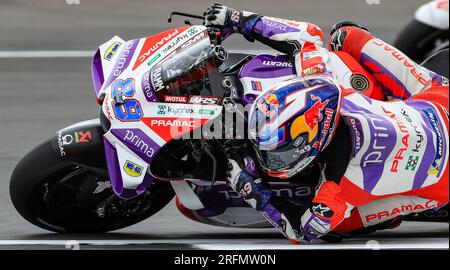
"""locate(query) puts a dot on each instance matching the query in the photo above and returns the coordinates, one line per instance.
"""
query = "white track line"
(245, 244)
(45, 54)
(81, 54)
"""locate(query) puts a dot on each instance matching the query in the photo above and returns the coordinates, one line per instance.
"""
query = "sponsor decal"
(62, 141)
(412, 162)
(122, 61)
(246, 190)
(401, 210)
(285, 192)
(419, 74)
(154, 43)
(167, 109)
(357, 134)
(153, 60)
(288, 22)
(193, 40)
(169, 128)
(133, 139)
(176, 41)
(257, 86)
(314, 114)
(68, 139)
(147, 88)
(157, 81)
(438, 158)
(83, 137)
(111, 51)
(275, 24)
(206, 111)
(399, 156)
(192, 99)
(418, 134)
(322, 210)
(326, 127)
(132, 169)
(203, 100)
(173, 123)
(277, 64)
(108, 106)
(268, 105)
(162, 109)
(309, 55)
(319, 68)
(176, 99)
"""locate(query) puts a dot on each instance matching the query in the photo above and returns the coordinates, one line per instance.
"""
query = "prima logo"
(138, 143)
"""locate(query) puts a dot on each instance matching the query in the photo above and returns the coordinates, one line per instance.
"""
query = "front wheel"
(61, 196)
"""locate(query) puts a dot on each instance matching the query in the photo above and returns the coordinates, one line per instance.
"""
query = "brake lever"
(173, 13)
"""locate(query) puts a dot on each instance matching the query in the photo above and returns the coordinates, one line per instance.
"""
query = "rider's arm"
(302, 41)
(399, 76)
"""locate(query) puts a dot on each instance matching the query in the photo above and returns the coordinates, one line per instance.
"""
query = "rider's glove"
(339, 34)
(231, 21)
(223, 17)
(326, 212)
(248, 185)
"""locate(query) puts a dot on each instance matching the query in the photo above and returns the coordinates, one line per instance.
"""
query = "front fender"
(82, 143)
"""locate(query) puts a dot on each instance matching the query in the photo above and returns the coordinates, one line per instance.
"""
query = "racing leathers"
(389, 157)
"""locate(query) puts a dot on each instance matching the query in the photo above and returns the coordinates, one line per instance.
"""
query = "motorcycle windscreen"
(189, 71)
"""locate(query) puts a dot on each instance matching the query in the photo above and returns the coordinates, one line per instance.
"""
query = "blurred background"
(40, 95)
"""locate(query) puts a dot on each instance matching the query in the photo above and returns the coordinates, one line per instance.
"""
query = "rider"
(380, 160)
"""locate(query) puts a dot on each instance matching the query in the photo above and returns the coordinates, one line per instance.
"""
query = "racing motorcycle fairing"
(139, 125)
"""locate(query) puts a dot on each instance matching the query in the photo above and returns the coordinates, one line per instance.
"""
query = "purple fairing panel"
(123, 60)
(97, 73)
(220, 197)
(266, 66)
(138, 142)
(115, 176)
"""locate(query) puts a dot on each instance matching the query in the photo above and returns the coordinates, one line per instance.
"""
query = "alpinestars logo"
(322, 210)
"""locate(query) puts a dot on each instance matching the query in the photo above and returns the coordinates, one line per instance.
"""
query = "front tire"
(62, 196)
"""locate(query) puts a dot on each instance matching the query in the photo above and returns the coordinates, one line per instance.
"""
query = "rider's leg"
(399, 76)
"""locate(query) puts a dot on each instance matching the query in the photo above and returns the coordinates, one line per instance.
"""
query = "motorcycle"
(112, 172)
(427, 33)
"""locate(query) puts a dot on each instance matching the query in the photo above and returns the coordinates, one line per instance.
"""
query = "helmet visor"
(285, 157)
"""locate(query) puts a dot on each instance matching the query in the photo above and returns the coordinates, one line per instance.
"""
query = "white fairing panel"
(434, 14)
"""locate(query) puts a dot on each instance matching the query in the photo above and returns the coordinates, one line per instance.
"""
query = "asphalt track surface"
(39, 95)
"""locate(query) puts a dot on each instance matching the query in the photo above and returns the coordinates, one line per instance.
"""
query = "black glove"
(339, 25)
(223, 17)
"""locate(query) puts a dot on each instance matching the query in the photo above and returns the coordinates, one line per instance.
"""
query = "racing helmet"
(290, 124)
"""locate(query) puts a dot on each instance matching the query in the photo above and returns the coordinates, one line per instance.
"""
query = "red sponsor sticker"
(154, 43)
(176, 99)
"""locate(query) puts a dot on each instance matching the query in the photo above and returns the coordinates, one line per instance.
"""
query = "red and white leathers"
(399, 160)
(413, 176)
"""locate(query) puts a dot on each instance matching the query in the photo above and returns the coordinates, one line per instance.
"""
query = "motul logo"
(175, 99)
